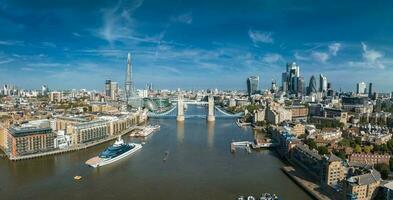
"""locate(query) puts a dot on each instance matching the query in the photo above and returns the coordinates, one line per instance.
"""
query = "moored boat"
(114, 153)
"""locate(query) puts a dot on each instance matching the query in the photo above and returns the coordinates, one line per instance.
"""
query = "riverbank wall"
(74, 148)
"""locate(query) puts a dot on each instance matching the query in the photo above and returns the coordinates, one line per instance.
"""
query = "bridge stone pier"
(210, 116)
(180, 108)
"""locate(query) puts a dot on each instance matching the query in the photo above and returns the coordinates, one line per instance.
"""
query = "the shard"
(128, 82)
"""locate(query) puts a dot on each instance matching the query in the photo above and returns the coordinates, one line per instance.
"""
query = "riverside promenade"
(309, 186)
(74, 148)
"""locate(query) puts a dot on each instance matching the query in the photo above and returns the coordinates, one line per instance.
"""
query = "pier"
(74, 148)
(243, 144)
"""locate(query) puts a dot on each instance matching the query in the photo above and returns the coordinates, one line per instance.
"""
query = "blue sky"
(194, 44)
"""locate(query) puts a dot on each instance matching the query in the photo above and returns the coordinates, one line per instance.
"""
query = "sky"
(194, 44)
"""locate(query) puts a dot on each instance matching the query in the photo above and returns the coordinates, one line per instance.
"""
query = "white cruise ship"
(114, 153)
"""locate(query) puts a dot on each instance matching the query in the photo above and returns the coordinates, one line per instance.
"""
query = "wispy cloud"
(371, 55)
(320, 52)
(185, 18)
(48, 64)
(372, 59)
(8, 60)
(11, 42)
(260, 36)
(49, 44)
(76, 34)
(118, 22)
(320, 56)
(272, 58)
(334, 48)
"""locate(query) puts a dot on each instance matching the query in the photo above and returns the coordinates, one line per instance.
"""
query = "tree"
(367, 149)
(357, 149)
(391, 163)
(311, 143)
(323, 150)
(345, 142)
(383, 169)
(341, 154)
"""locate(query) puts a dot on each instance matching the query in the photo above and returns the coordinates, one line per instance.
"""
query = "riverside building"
(30, 138)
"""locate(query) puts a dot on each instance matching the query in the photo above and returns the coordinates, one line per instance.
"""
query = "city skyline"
(189, 45)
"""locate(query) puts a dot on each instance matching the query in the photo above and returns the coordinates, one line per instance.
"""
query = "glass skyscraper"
(252, 85)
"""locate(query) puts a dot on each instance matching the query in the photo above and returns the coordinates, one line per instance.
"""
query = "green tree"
(341, 154)
(323, 150)
(345, 142)
(367, 149)
(391, 163)
(311, 143)
(357, 149)
(383, 169)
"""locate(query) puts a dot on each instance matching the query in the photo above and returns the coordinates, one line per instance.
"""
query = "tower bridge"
(178, 111)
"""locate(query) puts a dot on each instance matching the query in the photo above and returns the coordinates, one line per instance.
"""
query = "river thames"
(199, 166)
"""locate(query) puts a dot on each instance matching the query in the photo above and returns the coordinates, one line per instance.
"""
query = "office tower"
(290, 78)
(370, 90)
(128, 82)
(108, 88)
(284, 82)
(322, 83)
(274, 86)
(330, 91)
(312, 86)
(44, 90)
(252, 85)
(361, 88)
(114, 90)
(300, 86)
(111, 89)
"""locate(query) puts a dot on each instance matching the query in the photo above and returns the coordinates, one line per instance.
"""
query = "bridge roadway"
(171, 113)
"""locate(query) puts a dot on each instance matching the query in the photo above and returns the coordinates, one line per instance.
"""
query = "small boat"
(146, 131)
(113, 153)
(77, 177)
(165, 156)
(250, 198)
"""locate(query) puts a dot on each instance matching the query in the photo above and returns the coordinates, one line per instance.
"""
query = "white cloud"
(49, 44)
(48, 64)
(11, 42)
(372, 59)
(185, 18)
(334, 48)
(260, 36)
(117, 22)
(320, 56)
(6, 61)
(76, 34)
(272, 58)
(300, 57)
(371, 55)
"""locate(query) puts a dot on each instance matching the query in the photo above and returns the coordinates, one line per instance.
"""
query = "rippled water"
(199, 166)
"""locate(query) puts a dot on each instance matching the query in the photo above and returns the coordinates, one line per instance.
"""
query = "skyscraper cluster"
(323, 83)
(292, 82)
(111, 89)
(362, 89)
(324, 88)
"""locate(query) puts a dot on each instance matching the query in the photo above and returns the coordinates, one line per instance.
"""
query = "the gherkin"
(312, 86)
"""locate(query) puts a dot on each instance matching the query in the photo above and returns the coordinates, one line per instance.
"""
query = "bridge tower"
(210, 116)
(180, 108)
